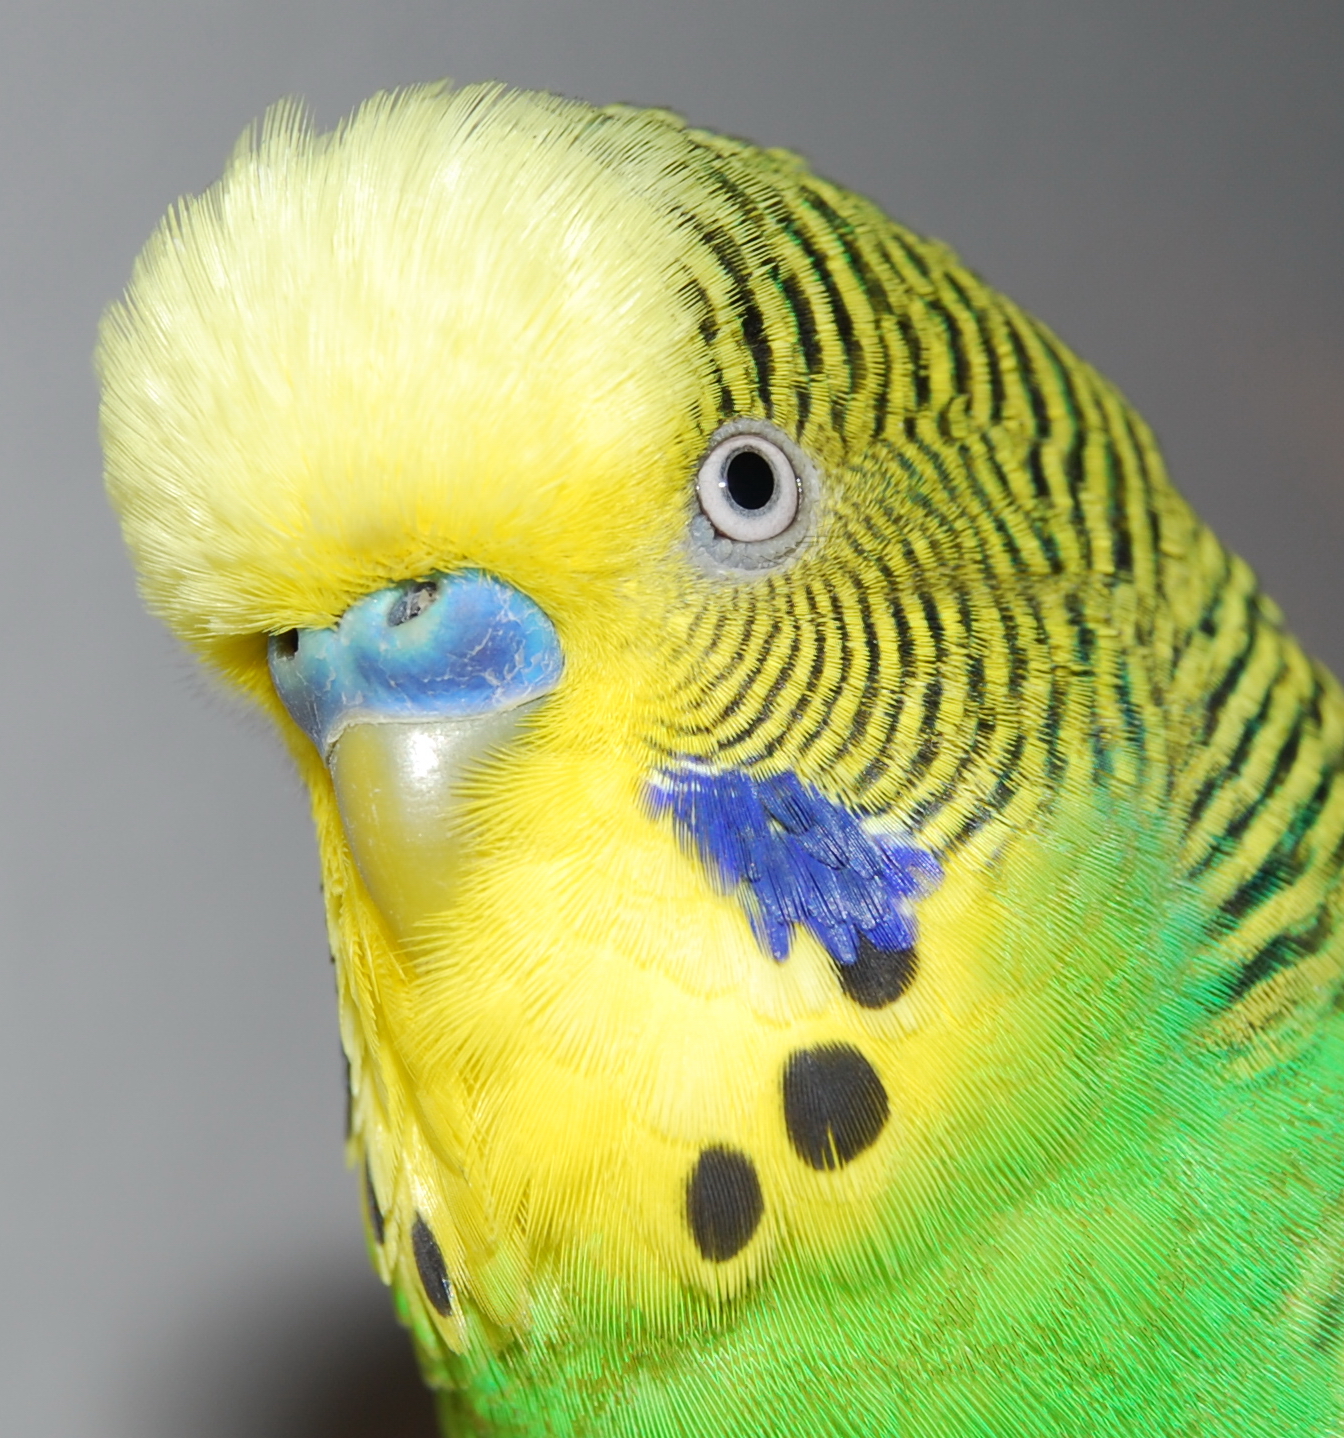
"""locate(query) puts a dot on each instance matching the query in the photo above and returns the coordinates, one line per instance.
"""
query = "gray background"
(181, 1252)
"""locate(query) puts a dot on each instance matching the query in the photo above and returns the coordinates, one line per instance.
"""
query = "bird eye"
(748, 488)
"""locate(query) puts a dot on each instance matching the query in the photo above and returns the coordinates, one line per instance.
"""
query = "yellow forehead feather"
(447, 329)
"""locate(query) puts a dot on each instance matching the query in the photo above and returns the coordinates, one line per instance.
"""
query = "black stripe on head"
(1056, 762)
(731, 261)
(841, 320)
(908, 257)
(961, 370)
(749, 672)
(1281, 953)
(1236, 761)
(1075, 471)
(836, 622)
(987, 348)
(1232, 675)
(811, 688)
(762, 215)
(804, 321)
(1283, 763)
(874, 292)
(765, 707)
(1146, 480)
(1026, 374)
(1012, 639)
(914, 348)
(1117, 515)
(870, 285)
(868, 655)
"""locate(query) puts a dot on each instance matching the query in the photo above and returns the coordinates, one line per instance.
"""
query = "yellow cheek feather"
(563, 1043)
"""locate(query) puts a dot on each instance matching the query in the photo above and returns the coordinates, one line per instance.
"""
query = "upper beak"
(404, 697)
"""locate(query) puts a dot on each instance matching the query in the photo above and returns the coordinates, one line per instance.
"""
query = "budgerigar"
(833, 872)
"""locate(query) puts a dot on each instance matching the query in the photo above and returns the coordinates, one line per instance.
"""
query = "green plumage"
(1101, 1189)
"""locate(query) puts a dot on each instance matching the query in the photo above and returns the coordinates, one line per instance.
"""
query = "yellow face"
(473, 335)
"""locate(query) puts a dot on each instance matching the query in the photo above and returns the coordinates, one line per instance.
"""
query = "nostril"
(480, 647)
(412, 602)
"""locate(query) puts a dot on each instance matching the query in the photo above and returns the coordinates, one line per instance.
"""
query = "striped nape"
(1263, 800)
(949, 657)
(1008, 600)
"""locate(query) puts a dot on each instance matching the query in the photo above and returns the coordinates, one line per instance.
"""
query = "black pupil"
(749, 480)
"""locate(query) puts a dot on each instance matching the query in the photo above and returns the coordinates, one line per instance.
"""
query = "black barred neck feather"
(1007, 599)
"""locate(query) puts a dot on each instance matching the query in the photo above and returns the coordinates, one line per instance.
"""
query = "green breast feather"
(833, 871)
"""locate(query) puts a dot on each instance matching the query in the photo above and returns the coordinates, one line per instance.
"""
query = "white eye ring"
(748, 488)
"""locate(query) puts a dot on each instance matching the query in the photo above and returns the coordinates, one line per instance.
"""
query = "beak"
(399, 786)
(405, 697)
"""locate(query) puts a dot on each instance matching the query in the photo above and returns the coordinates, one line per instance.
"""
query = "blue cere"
(448, 646)
(803, 859)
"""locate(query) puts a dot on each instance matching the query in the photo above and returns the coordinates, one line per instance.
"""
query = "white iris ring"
(743, 523)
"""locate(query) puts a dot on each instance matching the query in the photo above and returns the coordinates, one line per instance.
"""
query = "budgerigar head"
(676, 585)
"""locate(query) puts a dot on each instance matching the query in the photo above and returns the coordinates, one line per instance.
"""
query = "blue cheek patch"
(799, 858)
(447, 647)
